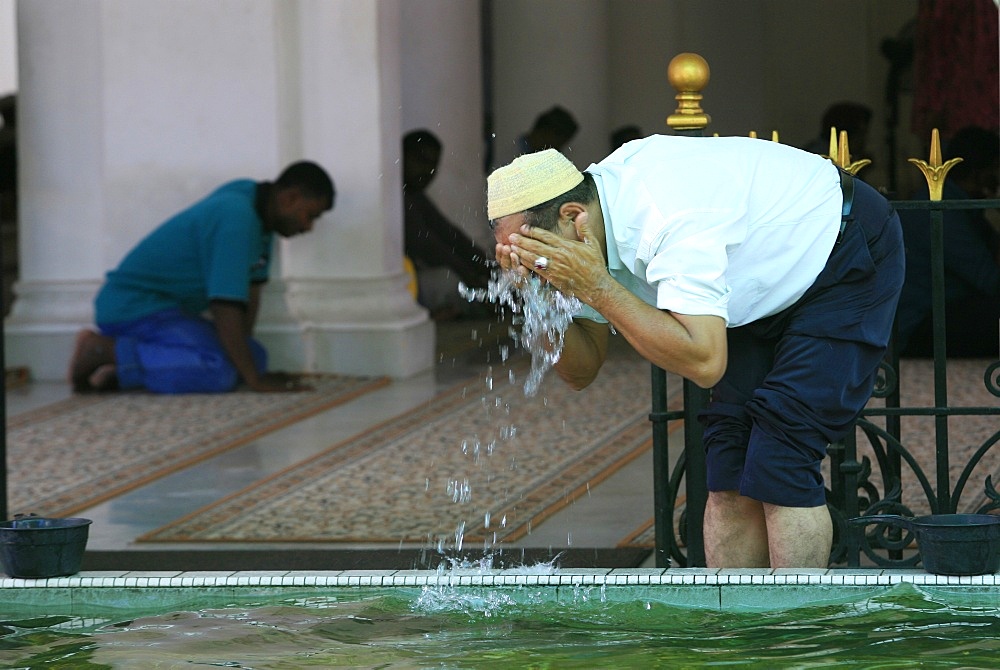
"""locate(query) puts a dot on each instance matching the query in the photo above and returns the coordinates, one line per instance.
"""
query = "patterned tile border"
(491, 578)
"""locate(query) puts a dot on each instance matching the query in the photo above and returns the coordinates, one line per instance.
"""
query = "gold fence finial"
(688, 73)
(936, 171)
(840, 153)
(833, 143)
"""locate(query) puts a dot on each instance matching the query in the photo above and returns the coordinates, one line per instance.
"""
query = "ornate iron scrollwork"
(886, 381)
(992, 379)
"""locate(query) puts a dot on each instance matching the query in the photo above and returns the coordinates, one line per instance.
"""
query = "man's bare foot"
(92, 367)
(104, 378)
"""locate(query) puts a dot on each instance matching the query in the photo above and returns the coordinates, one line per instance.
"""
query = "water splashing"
(542, 312)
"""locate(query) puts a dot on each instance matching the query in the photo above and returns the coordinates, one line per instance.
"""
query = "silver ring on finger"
(541, 263)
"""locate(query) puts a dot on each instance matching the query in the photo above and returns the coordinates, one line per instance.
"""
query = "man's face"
(505, 225)
(419, 166)
(296, 213)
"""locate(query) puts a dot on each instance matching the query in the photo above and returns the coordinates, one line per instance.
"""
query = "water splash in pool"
(542, 312)
(540, 316)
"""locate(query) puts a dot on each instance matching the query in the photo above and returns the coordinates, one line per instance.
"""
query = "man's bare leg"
(799, 537)
(735, 531)
(92, 367)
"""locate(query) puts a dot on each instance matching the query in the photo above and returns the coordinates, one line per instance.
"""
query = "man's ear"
(289, 196)
(568, 212)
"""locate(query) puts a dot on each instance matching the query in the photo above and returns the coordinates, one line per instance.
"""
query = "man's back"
(736, 226)
(212, 249)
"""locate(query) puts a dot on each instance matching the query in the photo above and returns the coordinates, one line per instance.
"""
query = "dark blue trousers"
(174, 352)
(798, 380)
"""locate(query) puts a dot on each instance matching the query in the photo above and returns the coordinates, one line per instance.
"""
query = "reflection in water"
(518, 627)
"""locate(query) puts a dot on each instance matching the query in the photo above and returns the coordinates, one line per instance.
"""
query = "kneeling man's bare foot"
(92, 367)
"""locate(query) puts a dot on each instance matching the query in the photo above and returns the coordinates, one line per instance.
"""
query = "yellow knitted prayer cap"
(529, 180)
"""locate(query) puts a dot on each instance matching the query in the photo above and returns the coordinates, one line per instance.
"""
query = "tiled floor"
(613, 508)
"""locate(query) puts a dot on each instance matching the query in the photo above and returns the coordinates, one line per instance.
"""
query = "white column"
(132, 109)
(61, 198)
(443, 92)
(345, 288)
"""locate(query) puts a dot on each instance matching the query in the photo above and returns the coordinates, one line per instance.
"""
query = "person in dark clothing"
(431, 241)
(553, 129)
(852, 117)
(971, 258)
(623, 134)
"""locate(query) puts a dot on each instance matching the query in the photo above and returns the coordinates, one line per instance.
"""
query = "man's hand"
(574, 266)
(230, 321)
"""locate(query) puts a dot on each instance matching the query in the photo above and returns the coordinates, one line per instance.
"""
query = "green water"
(496, 628)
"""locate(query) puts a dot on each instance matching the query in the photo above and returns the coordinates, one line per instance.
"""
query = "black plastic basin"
(951, 544)
(37, 547)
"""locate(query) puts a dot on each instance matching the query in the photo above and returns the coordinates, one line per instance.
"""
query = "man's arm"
(230, 319)
(693, 346)
(231, 324)
(585, 346)
(253, 306)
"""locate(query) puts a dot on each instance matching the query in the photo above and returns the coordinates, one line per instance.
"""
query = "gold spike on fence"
(934, 170)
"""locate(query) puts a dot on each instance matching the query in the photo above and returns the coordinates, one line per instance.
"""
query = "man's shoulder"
(234, 198)
(238, 190)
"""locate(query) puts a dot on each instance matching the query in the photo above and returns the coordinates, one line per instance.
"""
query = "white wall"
(442, 92)
(8, 47)
(179, 121)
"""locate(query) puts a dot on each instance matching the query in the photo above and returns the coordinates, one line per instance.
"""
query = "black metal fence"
(858, 484)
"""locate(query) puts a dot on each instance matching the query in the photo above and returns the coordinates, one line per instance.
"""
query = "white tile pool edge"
(497, 578)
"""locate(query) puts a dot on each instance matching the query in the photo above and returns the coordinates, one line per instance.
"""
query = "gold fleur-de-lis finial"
(935, 171)
(833, 143)
(840, 153)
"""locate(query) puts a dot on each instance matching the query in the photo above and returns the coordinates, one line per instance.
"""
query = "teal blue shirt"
(212, 250)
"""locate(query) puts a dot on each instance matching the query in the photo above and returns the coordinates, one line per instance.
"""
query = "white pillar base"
(369, 327)
(44, 320)
(348, 326)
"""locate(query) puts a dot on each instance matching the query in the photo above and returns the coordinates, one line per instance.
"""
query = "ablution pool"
(540, 617)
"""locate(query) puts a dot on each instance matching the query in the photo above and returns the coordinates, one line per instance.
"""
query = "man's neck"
(264, 201)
